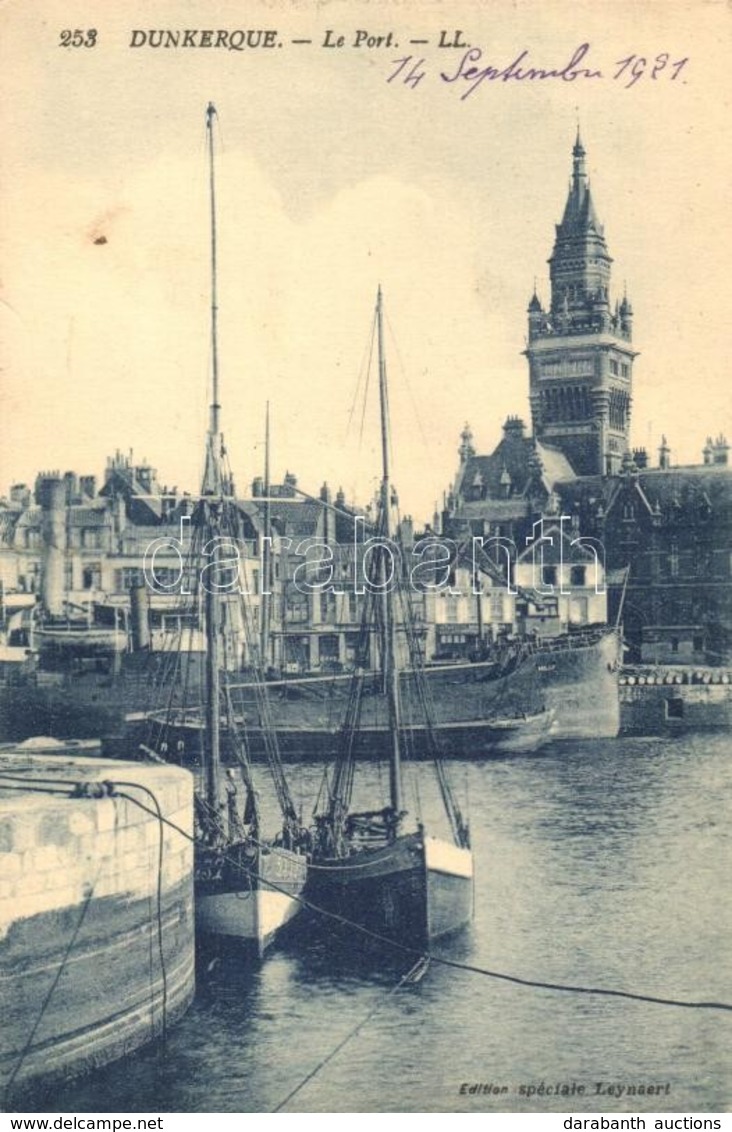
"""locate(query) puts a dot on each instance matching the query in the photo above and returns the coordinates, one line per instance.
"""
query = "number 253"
(78, 38)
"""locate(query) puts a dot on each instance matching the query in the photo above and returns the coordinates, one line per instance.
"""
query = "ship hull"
(249, 904)
(577, 682)
(567, 692)
(411, 891)
(469, 739)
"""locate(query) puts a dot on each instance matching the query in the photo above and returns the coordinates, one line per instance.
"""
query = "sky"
(331, 180)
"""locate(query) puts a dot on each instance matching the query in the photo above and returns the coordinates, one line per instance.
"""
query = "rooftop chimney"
(720, 450)
(514, 426)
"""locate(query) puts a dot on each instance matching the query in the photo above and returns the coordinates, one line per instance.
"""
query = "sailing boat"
(245, 888)
(370, 868)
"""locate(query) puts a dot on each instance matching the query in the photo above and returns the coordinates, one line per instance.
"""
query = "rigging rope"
(408, 977)
(159, 895)
(471, 968)
(420, 956)
(54, 983)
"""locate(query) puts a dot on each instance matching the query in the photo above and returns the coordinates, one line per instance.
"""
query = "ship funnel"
(51, 495)
(140, 603)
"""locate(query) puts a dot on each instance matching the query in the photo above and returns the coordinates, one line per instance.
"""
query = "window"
(92, 576)
(91, 538)
(497, 606)
(452, 638)
(675, 709)
(674, 644)
(127, 578)
(452, 607)
(297, 607)
(328, 649)
(698, 644)
(328, 606)
(549, 575)
(165, 579)
(578, 575)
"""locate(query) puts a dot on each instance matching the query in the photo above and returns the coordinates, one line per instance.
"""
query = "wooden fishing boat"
(380, 869)
(246, 886)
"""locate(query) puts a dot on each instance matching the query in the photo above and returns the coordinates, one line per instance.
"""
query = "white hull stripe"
(444, 857)
(236, 914)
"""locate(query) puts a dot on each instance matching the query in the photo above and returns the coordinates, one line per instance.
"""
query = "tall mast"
(212, 478)
(390, 671)
(267, 552)
(212, 487)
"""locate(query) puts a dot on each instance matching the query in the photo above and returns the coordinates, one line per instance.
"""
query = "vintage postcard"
(365, 558)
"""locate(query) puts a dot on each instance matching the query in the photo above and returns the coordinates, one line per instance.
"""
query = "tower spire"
(580, 353)
(578, 159)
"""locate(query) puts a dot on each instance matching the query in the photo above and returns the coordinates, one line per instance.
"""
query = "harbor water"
(599, 864)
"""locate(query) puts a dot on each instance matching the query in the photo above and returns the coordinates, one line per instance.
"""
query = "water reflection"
(602, 863)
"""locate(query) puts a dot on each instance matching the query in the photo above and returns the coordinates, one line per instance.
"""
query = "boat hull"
(474, 739)
(469, 739)
(570, 691)
(251, 903)
(411, 891)
(577, 682)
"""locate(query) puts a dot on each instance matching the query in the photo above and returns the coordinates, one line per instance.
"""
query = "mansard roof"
(513, 508)
(556, 466)
(296, 518)
(518, 458)
(31, 517)
(708, 485)
(88, 517)
(8, 523)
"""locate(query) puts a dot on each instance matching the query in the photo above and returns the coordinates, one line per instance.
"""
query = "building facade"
(664, 532)
(580, 349)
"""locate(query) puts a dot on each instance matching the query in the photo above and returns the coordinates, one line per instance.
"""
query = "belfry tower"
(580, 352)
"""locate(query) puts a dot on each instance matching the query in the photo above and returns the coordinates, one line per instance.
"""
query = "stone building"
(671, 526)
(580, 350)
(665, 531)
(70, 553)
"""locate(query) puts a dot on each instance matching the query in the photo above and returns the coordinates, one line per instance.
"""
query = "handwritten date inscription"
(472, 71)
